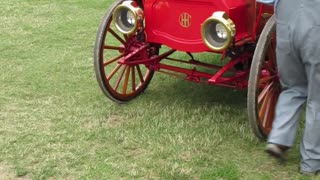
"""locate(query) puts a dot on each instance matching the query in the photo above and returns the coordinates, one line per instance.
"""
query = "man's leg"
(310, 144)
(292, 77)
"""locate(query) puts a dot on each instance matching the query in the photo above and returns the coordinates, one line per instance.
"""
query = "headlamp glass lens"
(130, 18)
(221, 31)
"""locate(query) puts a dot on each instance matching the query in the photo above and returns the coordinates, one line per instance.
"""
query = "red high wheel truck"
(242, 32)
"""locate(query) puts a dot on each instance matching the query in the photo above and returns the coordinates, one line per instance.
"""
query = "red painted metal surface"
(176, 23)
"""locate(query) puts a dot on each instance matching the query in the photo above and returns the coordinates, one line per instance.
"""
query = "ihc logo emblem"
(185, 20)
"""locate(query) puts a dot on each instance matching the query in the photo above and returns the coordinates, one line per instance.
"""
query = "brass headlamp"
(218, 31)
(126, 17)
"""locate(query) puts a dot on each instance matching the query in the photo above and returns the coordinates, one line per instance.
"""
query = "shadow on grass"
(168, 90)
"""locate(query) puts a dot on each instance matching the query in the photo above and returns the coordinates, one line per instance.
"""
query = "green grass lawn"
(55, 123)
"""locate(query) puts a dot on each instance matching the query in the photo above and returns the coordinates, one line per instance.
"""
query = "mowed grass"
(55, 123)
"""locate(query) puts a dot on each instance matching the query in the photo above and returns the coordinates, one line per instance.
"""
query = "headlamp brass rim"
(218, 18)
(128, 7)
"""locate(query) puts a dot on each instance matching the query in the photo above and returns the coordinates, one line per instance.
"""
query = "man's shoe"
(276, 151)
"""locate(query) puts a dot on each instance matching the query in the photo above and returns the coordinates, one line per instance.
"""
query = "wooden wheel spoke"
(113, 48)
(264, 105)
(112, 73)
(264, 92)
(266, 79)
(140, 74)
(119, 78)
(116, 35)
(268, 119)
(133, 77)
(113, 60)
(126, 80)
(266, 115)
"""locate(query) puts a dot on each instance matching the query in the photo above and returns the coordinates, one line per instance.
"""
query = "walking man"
(298, 60)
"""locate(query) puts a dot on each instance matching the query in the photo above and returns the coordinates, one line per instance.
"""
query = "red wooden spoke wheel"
(264, 86)
(120, 81)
